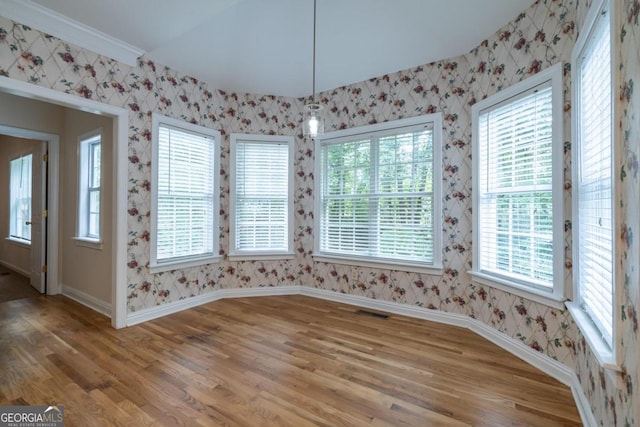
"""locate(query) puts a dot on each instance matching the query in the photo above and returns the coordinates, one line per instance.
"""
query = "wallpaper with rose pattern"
(614, 396)
(536, 39)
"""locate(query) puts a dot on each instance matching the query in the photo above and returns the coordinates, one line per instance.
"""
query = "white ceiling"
(265, 46)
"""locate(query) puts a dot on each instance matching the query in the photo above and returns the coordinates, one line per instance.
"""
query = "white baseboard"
(552, 367)
(86, 300)
(137, 317)
(584, 408)
(390, 307)
(17, 269)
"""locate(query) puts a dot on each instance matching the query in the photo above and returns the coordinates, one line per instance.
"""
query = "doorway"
(118, 249)
(25, 154)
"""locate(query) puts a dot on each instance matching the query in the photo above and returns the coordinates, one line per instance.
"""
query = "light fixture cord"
(313, 94)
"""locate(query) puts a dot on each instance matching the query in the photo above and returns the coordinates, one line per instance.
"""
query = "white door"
(38, 219)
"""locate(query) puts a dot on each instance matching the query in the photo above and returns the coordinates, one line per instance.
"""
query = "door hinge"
(45, 213)
(44, 268)
(45, 157)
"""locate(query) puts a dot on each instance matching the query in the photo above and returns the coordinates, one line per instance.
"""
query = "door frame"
(119, 211)
(50, 199)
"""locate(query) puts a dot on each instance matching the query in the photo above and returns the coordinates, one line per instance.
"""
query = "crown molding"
(48, 21)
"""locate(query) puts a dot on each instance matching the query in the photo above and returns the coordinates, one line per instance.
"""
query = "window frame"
(14, 238)
(386, 128)
(609, 357)
(176, 263)
(557, 294)
(236, 254)
(86, 144)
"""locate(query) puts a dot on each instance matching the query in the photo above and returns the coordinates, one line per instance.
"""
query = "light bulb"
(313, 127)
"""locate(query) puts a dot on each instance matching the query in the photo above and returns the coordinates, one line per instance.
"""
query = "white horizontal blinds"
(185, 194)
(595, 214)
(262, 196)
(516, 215)
(93, 211)
(20, 197)
(346, 183)
(377, 196)
(405, 196)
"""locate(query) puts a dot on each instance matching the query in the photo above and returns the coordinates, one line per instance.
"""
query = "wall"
(24, 113)
(85, 269)
(614, 396)
(82, 269)
(12, 255)
(541, 36)
(625, 391)
(538, 38)
(19, 112)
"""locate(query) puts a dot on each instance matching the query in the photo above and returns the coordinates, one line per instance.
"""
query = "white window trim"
(183, 262)
(18, 242)
(87, 242)
(608, 357)
(435, 268)
(240, 255)
(380, 263)
(557, 295)
(81, 238)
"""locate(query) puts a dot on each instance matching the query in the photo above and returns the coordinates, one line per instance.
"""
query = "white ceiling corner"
(264, 47)
(53, 23)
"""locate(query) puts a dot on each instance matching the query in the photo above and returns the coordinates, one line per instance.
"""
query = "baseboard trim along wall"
(86, 299)
(17, 269)
(146, 314)
(584, 408)
(546, 364)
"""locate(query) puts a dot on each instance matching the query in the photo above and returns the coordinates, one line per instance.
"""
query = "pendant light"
(313, 119)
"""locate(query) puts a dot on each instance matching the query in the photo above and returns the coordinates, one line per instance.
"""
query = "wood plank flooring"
(292, 360)
(14, 286)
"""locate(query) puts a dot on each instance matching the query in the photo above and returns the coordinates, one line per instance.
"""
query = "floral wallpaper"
(539, 37)
(614, 396)
(534, 40)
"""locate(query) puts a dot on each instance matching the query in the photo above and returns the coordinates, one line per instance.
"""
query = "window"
(261, 196)
(185, 193)
(518, 161)
(20, 197)
(89, 186)
(379, 195)
(593, 208)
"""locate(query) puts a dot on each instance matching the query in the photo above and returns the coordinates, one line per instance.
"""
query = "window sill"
(258, 256)
(435, 270)
(88, 243)
(17, 242)
(605, 356)
(181, 264)
(520, 290)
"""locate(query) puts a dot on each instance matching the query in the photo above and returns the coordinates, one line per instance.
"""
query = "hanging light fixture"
(313, 119)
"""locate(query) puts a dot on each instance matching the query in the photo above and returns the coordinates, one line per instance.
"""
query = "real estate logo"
(32, 416)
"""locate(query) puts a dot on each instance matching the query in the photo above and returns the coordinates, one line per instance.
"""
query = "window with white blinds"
(261, 196)
(379, 193)
(593, 176)
(515, 185)
(89, 186)
(185, 195)
(20, 171)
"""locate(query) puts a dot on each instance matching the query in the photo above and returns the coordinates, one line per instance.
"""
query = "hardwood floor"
(291, 360)
(14, 286)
